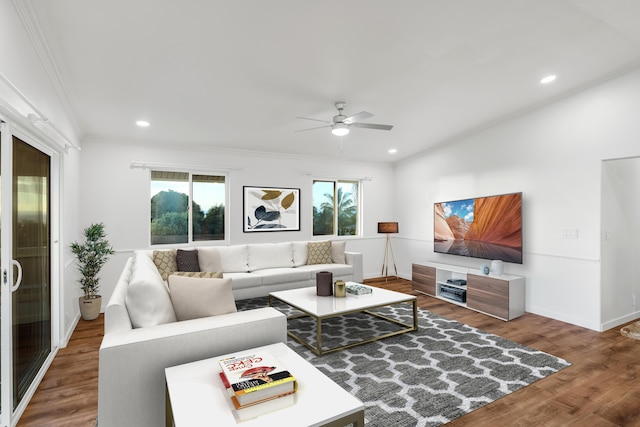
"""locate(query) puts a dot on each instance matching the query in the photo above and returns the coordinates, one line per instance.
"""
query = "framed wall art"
(271, 209)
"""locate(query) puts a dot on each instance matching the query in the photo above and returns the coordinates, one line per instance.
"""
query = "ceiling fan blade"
(362, 115)
(315, 120)
(319, 127)
(372, 126)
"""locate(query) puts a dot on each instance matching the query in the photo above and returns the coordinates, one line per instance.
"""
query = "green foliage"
(170, 219)
(170, 224)
(347, 209)
(211, 225)
(168, 201)
(91, 256)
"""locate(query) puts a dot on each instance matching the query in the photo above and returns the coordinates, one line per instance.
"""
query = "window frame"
(359, 211)
(190, 174)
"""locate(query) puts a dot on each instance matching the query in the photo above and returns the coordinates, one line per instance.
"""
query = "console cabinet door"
(424, 279)
(489, 295)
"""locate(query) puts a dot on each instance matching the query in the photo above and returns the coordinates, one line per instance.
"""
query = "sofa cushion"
(319, 252)
(242, 280)
(165, 262)
(300, 251)
(336, 269)
(270, 255)
(226, 259)
(272, 276)
(199, 274)
(187, 260)
(337, 252)
(194, 297)
(147, 300)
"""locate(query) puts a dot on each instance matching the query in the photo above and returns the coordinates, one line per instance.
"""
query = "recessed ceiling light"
(393, 151)
(548, 79)
(142, 123)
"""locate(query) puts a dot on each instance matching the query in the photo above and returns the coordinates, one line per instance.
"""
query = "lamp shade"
(387, 227)
(340, 129)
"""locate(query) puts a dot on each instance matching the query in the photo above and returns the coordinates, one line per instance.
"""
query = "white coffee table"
(324, 307)
(197, 397)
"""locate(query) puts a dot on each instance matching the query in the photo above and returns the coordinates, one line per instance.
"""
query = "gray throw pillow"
(187, 260)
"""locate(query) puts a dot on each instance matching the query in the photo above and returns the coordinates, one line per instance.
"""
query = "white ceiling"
(236, 73)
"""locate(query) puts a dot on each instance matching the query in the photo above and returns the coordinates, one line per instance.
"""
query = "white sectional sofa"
(142, 336)
(257, 269)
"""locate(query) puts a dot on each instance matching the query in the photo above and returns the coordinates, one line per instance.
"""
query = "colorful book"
(255, 377)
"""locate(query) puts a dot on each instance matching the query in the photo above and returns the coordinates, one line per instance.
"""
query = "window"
(336, 208)
(171, 219)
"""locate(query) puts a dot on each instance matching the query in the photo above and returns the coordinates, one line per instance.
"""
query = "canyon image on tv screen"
(482, 227)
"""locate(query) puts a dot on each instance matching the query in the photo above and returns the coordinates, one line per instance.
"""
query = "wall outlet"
(569, 233)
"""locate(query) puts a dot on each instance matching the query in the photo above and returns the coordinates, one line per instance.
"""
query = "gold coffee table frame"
(318, 350)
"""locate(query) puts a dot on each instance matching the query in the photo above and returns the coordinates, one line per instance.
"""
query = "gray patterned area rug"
(429, 377)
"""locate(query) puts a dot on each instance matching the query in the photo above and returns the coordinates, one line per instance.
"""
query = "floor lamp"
(388, 228)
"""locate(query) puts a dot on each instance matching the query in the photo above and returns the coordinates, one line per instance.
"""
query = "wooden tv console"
(500, 296)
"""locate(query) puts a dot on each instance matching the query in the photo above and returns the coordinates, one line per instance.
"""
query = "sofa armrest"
(131, 383)
(355, 259)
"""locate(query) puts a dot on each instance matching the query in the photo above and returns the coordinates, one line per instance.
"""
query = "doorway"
(620, 201)
(25, 257)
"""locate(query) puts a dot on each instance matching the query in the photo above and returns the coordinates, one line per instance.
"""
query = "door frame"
(9, 418)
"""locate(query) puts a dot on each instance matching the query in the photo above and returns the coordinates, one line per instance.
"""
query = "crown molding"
(228, 150)
(32, 26)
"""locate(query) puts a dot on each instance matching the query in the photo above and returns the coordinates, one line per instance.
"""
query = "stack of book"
(255, 378)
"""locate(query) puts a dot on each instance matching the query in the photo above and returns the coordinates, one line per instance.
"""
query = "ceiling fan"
(341, 123)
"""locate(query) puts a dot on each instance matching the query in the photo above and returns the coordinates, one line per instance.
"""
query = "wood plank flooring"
(601, 388)
(68, 393)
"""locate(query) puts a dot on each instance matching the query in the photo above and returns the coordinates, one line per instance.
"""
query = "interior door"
(25, 300)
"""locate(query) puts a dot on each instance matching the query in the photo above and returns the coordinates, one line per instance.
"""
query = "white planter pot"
(90, 307)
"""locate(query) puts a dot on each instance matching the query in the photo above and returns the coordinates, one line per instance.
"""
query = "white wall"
(553, 155)
(22, 67)
(621, 234)
(115, 193)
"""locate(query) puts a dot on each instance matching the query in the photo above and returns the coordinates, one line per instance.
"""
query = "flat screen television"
(482, 227)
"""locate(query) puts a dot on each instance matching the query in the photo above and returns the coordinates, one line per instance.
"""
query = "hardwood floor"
(601, 388)
(68, 394)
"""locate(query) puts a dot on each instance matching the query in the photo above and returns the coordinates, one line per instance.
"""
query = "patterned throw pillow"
(187, 260)
(199, 274)
(166, 262)
(319, 253)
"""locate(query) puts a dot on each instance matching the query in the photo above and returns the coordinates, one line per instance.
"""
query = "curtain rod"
(333, 175)
(135, 164)
(37, 115)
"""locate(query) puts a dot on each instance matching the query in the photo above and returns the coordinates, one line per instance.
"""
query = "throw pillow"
(147, 299)
(166, 262)
(337, 252)
(319, 253)
(209, 259)
(193, 298)
(187, 260)
(300, 251)
(199, 274)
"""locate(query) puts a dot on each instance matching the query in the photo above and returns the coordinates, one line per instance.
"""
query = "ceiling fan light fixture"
(548, 79)
(340, 129)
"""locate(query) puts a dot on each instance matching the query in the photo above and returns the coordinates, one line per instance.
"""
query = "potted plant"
(91, 255)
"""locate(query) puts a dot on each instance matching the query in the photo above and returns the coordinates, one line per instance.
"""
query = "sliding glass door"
(25, 300)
